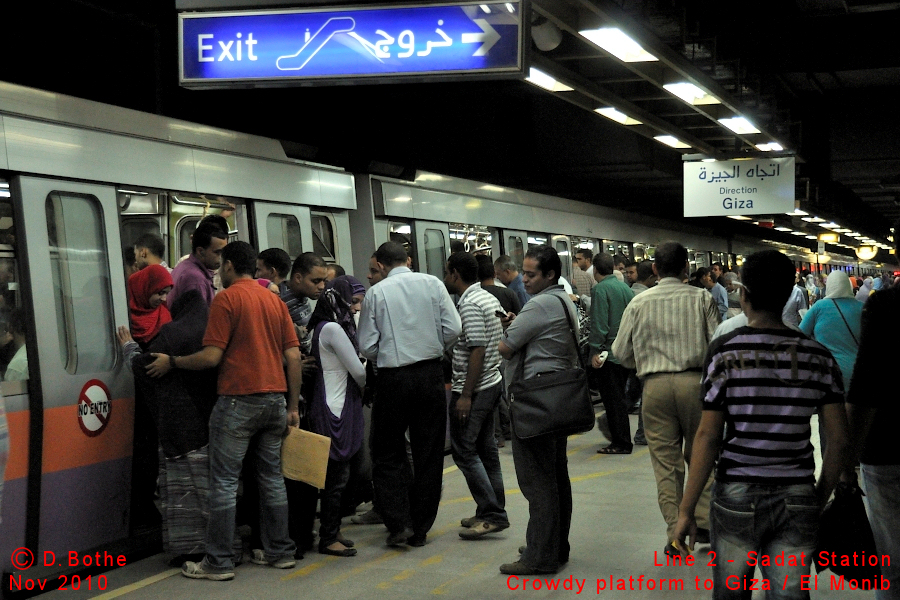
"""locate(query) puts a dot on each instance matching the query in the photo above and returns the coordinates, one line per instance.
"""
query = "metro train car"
(80, 181)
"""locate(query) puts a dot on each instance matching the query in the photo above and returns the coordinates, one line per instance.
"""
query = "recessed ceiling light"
(616, 115)
(691, 94)
(797, 213)
(770, 147)
(782, 229)
(814, 219)
(853, 234)
(541, 79)
(798, 233)
(671, 140)
(739, 125)
(618, 43)
(811, 237)
(831, 225)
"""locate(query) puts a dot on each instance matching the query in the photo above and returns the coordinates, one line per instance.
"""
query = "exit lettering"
(231, 50)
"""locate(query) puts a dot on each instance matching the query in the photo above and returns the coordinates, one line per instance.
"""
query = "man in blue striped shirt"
(475, 392)
(762, 384)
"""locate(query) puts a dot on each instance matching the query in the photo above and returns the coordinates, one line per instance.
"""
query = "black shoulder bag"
(556, 403)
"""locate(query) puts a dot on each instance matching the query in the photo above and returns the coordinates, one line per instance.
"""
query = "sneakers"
(520, 568)
(370, 517)
(196, 571)
(469, 522)
(481, 529)
(258, 557)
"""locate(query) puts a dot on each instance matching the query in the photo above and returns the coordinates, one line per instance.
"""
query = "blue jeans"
(234, 420)
(881, 483)
(767, 520)
(475, 453)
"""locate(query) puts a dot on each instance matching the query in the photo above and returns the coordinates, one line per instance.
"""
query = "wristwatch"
(172, 358)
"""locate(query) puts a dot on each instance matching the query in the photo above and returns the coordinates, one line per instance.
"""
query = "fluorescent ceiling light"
(739, 125)
(770, 147)
(619, 117)
(782, 229)
(486, 8)
(510, 7)
(797, 213)
(798, 233)
(811, 237)
(618, 43)
(853, 234)
(671, 140)
(691, 94)
(541, 79)
(813, 219)
(831, 225)
(842, 230)
(738, 217)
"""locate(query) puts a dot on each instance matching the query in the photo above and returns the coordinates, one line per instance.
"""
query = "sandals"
(613, 450)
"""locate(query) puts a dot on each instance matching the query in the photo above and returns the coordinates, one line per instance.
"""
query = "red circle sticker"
(94, 407)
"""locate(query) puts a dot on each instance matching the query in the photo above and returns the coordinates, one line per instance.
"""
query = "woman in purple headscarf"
(336, 407)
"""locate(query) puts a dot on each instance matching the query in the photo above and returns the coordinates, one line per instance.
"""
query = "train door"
(562, 245)
(284, 226)
(432, 247)
(515, 244)
(82, 400)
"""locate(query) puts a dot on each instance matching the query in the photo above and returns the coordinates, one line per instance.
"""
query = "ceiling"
(821, 77)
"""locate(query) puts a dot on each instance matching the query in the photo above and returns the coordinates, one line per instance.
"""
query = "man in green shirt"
(608, 301)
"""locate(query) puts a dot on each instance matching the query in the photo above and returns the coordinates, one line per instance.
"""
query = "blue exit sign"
(328, 46)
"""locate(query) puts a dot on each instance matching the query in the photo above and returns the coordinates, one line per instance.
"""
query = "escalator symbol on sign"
(311, 47)
(94, 407)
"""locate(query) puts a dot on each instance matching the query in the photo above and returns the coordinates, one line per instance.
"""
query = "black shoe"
(416, 541)
(671, 550)
(702, 536)
(399, 538)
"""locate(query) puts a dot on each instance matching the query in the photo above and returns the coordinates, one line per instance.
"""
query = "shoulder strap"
(840, 312)
(571, 330)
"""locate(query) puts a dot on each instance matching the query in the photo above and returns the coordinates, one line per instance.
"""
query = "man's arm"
(367, 333)
(834, 420)
(473, 375)
(599, 321)
(294, 379)
(703, 459)
(451, 325)
(207, 358)
(623, 345)
(712, 316)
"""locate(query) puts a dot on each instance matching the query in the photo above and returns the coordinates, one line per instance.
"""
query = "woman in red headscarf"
(147, 290)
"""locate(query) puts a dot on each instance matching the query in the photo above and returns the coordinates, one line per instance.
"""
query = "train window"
(186, 228)
(516, 250)
(79, 263)
(133, 228)
(475, 238)
(323, 237)
(13, 357)
(562, 248)
(435, 252)
(283, 232)
(536, 239)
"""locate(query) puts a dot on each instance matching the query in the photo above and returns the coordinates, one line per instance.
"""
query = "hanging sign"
(739, 187)
(385, 43)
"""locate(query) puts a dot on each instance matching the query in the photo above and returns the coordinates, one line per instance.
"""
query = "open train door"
(285, 226)
(81, 394)
(432, 247)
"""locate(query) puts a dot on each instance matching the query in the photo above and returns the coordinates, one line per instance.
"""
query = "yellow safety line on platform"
(451, 469)
(137, 585)
(389, 555)
(309, 568)
(406, 574)
(442, 589)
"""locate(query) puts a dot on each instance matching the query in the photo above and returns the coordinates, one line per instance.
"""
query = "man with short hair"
(581, 280)
(665, 333)
(631, 272)
(608, 301)
(798, 300)
(406, 324)
(475, 391)
(766, 498)
(646, 278)
(335, 270)
(196, 272)
(306, 283)
(149, 249)
(718, 269)
(273, 264)
(249, 334)
(729, 281)
(583, 258)
(508, 273)
(716, 290)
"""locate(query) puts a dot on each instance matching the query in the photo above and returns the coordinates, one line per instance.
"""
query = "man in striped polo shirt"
(762, 383)
(475, 391)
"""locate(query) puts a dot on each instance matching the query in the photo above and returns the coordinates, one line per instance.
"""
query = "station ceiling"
(821, 77)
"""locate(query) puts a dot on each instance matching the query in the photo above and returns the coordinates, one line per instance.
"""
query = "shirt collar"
(399, 270)
(469, 289)
(206, 271)
(669, 281)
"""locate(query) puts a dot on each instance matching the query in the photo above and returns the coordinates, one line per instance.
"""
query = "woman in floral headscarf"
(336, 407)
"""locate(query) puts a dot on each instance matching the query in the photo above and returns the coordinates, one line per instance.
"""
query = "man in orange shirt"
(249, 332)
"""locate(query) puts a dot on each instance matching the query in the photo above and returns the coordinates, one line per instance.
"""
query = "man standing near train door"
(406, 323)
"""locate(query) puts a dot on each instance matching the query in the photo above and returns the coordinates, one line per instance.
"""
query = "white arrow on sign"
(488, 38)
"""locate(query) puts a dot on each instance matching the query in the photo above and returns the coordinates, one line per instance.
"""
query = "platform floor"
(617, 532)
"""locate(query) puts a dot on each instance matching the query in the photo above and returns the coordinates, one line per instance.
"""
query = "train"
(81, 180)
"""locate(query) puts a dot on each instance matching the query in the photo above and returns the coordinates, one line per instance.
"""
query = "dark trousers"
(543, 475)
(611, 380)
(330, 513)
(410, 397)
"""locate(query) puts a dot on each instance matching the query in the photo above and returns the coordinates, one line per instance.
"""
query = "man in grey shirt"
(407, 322)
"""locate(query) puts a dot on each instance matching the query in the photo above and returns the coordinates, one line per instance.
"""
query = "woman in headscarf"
(865, 289)
(147, 290)
(835, 322)
(180, 404)
(335, 410)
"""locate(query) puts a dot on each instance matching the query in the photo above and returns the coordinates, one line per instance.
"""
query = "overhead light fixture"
(782, 229)
(830, 238)
(486, 8)
(691, 94)
(842, 230)
(616, 115)
(618, 43)
(672, 141)
(853, 234)
(813, 219)
(510, 7)
(831, 225)
(739, 125)
(798, 233)
(797, 213)
(739, 217)
(810, 237)
(866, 252)
(541, 79)
(770, 147)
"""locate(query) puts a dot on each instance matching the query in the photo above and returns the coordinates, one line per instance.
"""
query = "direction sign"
(394, 43)
(739, 187)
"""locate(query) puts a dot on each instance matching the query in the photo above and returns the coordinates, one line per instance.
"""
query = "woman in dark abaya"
(335, 410)
(180, 403)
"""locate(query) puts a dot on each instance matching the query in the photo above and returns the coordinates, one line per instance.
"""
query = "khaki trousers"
(671, 409)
